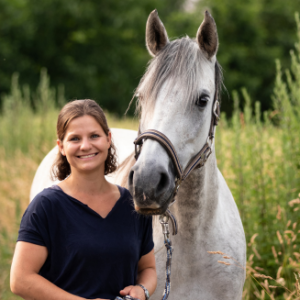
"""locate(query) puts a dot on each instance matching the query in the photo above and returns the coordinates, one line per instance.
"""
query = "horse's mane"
(180, 61)
(126, 166)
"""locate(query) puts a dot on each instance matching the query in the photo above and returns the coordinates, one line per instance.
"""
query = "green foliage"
(32, 130)
(95, 48)
(23, 128)
(264, 174)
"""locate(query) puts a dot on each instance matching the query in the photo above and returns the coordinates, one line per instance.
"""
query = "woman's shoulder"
(126, 198)
(124, 193)
(48, 196)
(128, 204)
(48, 193)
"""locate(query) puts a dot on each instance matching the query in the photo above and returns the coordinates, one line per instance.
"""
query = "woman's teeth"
(87, 156)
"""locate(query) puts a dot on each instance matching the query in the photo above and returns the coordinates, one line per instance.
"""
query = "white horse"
(176, 97)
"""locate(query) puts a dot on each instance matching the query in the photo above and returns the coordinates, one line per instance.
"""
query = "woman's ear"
(60, 147)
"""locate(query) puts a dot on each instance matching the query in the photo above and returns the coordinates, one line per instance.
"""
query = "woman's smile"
(87, 156)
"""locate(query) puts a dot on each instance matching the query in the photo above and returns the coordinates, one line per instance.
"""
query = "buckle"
(164, 222)
(137, 147)
(216, 110)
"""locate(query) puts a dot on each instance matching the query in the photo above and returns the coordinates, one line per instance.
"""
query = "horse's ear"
(207, 36)
(156, 34)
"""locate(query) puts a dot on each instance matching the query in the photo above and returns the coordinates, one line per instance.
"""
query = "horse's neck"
(197, 197)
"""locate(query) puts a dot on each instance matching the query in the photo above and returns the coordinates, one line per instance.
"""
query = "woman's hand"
(134, 291)
(146, 276)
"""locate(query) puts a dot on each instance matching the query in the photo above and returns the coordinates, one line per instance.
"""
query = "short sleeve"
(147, 240)
(34, 224)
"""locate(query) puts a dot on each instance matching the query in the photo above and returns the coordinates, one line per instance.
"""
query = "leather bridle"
(199, 160)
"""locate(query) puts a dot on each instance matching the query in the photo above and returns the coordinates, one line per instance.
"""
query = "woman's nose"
(85, 144)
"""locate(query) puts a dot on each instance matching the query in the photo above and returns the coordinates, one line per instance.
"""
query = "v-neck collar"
(59, 189)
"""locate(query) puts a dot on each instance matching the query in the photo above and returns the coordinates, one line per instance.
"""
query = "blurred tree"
(95, 48)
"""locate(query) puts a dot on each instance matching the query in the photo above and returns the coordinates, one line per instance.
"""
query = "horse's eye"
(202, 101)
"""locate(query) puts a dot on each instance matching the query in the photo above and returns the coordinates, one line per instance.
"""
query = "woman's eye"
(94, 136)
(74, 139)
(202, 101)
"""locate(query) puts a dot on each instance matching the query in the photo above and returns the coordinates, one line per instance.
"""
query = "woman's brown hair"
(61, 168)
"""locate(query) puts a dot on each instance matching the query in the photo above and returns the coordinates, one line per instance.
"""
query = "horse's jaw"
(197, 198)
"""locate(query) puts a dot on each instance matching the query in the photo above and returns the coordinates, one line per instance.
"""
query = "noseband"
(197, 161)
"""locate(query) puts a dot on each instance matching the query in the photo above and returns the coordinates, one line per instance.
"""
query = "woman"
(82, 239)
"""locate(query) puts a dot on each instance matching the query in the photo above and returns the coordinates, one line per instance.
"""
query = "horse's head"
(175, 97)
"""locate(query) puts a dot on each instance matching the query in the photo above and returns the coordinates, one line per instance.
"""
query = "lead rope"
(164, 221)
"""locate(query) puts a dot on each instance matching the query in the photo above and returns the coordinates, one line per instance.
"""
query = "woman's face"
(85, 145)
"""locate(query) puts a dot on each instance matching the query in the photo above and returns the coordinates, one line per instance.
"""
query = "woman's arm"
(25, 280)
(146, 276)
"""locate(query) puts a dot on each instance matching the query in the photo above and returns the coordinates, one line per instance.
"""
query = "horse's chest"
(196, 274)
(199, 278)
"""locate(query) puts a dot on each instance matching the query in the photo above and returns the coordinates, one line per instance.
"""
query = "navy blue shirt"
(88, 256)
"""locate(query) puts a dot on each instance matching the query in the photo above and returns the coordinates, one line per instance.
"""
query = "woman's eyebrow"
(95, 131)
(72, 134)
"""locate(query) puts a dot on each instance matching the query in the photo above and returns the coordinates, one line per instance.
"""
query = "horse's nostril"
(130, 178)
(163, 182)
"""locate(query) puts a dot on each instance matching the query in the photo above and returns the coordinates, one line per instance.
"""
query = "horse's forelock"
(180, 62)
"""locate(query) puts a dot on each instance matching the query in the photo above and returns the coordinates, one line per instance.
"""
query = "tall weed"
(261, 164)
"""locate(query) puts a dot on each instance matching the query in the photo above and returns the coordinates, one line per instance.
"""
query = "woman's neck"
(91, 184)
(94, 191)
